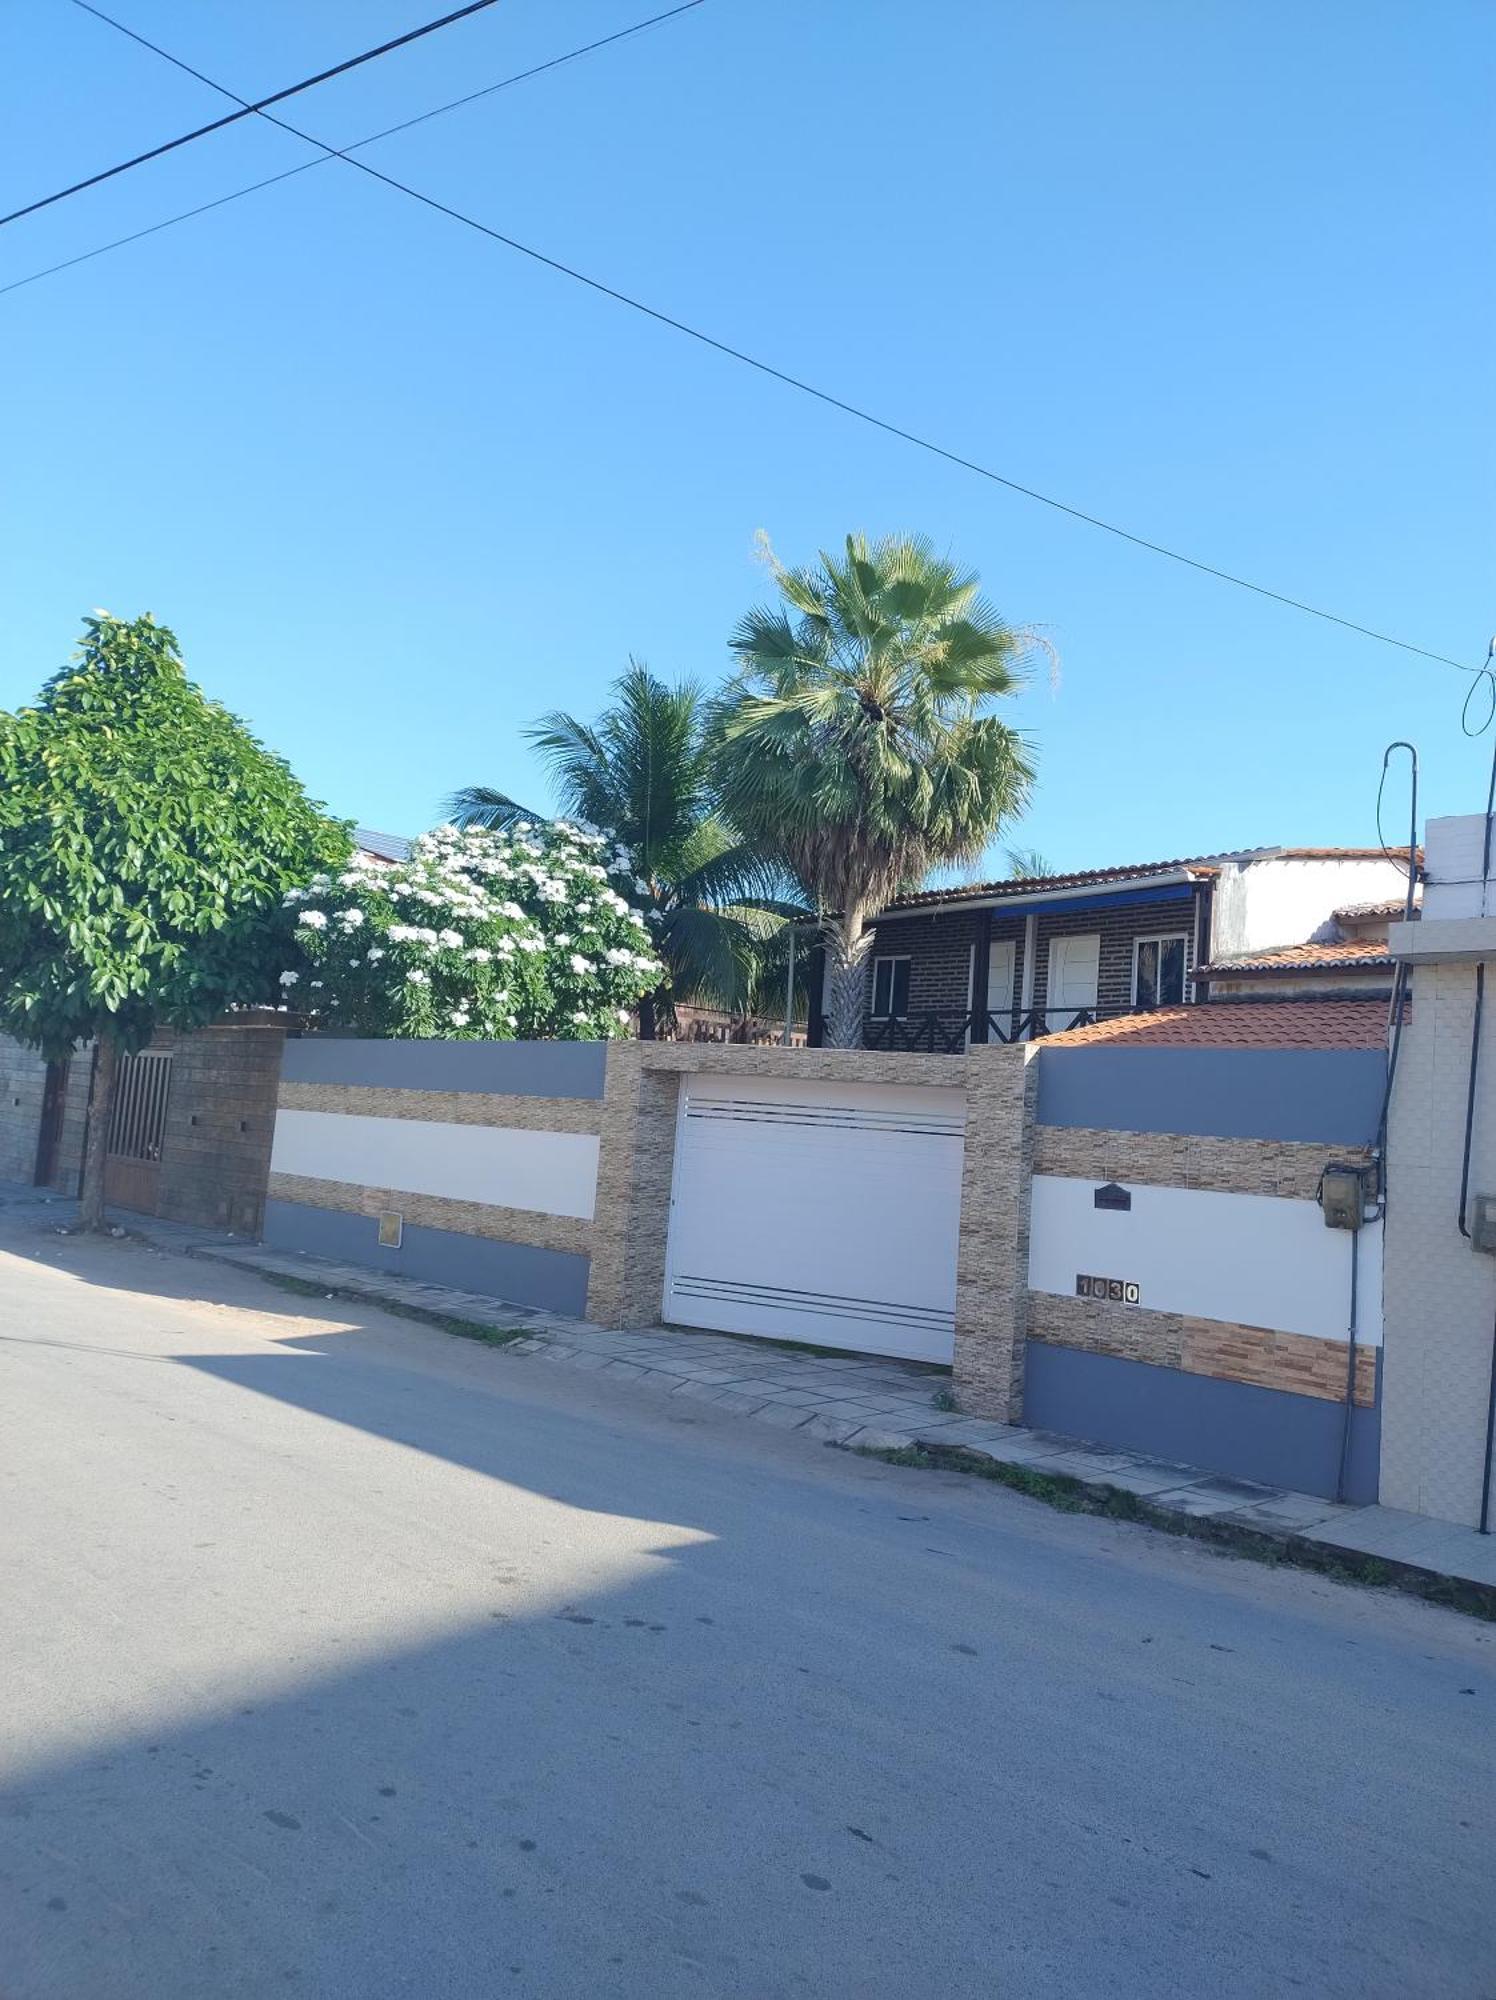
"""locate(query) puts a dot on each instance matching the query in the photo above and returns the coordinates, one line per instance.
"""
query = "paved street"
(344, 1658)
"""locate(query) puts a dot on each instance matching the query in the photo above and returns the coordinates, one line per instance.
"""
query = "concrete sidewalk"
(860, 1401)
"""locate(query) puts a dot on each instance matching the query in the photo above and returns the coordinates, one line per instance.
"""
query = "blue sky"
(1220, 273)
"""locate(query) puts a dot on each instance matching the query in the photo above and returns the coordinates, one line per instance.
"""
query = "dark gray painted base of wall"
(553, 1279)
(1328, 1096)
(513, 1069)
(1229, 1427)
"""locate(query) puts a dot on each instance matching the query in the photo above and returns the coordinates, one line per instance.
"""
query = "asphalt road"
(344, 1658)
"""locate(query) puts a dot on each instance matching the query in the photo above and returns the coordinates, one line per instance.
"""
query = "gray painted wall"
(515, 1069)
(1229, 1427)
(1330, 1096)
(553, 1279)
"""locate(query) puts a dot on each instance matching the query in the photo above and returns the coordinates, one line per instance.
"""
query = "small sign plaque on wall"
(1120, 1291)
(391, 1229)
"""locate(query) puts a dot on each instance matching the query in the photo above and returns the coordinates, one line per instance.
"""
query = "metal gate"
(49, 1132)
(137, 1129)
(818, 1212)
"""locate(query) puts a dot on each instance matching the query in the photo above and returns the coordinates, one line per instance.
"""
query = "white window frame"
(1161, 938)
(890, 958)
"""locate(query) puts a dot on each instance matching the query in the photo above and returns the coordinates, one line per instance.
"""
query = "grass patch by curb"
(1078, 1496)
(308, 1288)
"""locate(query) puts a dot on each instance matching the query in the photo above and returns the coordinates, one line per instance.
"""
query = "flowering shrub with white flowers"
(521, 935)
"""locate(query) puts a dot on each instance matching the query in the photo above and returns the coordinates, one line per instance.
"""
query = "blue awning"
(1105, 899)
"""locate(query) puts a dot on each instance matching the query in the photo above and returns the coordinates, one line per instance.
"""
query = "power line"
(835, 402)
(328, 153)
(245, 110)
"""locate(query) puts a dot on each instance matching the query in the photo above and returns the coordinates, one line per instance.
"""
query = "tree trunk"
(648, 1025)
(848, 946)
(96, 1145)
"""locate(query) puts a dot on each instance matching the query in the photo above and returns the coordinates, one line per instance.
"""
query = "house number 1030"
(1123, 1291)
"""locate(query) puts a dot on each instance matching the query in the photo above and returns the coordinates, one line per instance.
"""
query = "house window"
(890, 989)
(1157, 971)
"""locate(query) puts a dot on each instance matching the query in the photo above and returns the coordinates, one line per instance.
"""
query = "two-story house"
(1011, 960)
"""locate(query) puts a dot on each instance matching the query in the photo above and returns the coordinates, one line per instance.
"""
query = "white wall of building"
(1454, 854)
(1255, 1259)
(1259, 904)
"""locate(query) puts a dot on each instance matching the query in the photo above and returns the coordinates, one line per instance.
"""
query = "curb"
(1253, 1539)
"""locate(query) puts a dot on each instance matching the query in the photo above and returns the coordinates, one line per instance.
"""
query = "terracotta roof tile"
(1030, 885)
(1344, 955)
(1247, 1024)
(1393, 910)
(1202, 864)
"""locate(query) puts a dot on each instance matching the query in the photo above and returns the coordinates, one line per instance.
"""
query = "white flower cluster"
(541, 907)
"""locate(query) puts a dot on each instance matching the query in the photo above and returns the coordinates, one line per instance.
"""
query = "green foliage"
(857, 741)
(481, 934)
(1027, 864)
(643, 770)
(146, 841)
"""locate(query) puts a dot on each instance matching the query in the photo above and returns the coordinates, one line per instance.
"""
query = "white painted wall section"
(1259, 904)
(1454, 855)
(553, 1173)
(1256, 1259)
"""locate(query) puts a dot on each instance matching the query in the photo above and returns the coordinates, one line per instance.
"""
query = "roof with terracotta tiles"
(1360, 913)
(1343, 955)
(1246, 1024)
(1201, 864)
(1029, 885)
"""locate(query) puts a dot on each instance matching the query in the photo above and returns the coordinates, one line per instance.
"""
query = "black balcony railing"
(943, 1032)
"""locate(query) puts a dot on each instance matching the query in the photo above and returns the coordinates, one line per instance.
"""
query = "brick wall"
(23, 1076)
(23, 1079)
(1117, 929)
(939, 947)
(220, 1120)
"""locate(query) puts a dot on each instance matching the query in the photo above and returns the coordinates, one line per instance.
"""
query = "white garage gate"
(827, 1213)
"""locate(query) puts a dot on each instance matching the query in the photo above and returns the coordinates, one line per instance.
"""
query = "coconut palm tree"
(642, 773)
(856, 741)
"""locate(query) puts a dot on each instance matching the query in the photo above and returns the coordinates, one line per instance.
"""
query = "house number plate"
(1123, 1290)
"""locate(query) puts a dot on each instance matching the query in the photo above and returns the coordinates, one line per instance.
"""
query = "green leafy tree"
(146, 841)
(1027, 864)
(643, 772)
(857, 741)
(485, 933)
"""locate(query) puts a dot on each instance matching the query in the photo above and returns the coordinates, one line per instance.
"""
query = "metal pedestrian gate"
(137, 1131)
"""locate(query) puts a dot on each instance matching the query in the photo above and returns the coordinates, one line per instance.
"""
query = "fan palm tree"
(856, 741)
(1027, 864)
(641, 772)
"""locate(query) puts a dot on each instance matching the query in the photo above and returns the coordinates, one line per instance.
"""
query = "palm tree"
(856, 741)
(641, 772)
(1027, 864)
